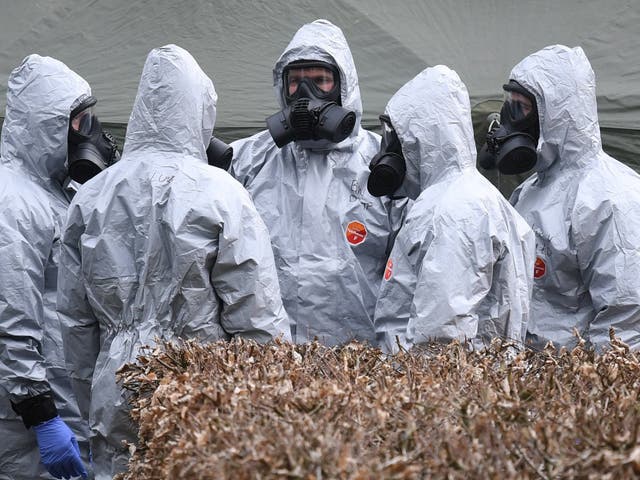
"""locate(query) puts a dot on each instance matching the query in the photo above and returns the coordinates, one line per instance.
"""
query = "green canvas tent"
(237, 42)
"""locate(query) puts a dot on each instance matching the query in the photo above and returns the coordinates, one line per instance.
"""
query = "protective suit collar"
(173, 118)
(40, 94)
(563, 83)
(321, 40)
(432, 117)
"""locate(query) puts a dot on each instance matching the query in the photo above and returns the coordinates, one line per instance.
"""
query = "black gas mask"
(314, 111)
(219, 154)
(90, 149)
(513, 136)
(388, 166)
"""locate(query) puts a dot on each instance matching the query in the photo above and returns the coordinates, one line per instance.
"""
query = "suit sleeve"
(606, 241)
(81, 332)
(26, 242)
(244, 276)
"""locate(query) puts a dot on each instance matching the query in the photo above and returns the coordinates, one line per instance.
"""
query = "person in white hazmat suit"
(161, 245)
(462, 264)
(307, 176)
(41, 94)
(581, 204)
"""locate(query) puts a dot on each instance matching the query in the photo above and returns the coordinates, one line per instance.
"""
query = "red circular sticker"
(356, 233)
(539, 268)
(388, 271)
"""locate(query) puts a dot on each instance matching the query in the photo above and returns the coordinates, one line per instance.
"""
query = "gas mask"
(513, 136)
(314, 111)
(388, 166)
(219, 154)
(90, 149)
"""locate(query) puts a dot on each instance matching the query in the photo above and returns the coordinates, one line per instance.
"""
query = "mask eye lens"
(386, 125)
(81, 117)
(293, 80)
(520, 105)
(81, 123)
(390, 140)
(323, 80)
(319, 75)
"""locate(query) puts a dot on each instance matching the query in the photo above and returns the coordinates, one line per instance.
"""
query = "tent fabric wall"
(236, 43)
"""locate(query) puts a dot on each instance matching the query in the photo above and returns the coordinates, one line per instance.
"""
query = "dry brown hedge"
(242, 411)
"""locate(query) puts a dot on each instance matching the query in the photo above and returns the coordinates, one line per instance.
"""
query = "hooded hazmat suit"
(330, 237)
(584, 208)
(33, 152)
(462, 264)
(161, 245)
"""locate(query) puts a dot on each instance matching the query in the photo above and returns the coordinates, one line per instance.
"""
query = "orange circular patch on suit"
(356, 232)
(388, 270)
(539, 268)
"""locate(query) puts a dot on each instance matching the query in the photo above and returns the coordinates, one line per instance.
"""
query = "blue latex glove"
(59, 450)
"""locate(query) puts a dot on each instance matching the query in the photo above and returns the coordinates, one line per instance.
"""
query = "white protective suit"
(462, 264)
(160, 245)
(330, 237)
(584, 208)
(33, 152)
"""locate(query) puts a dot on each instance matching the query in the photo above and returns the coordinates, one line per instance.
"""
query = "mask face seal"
(314, 111)
(388, 166)
(90, 149)
(513, 138)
